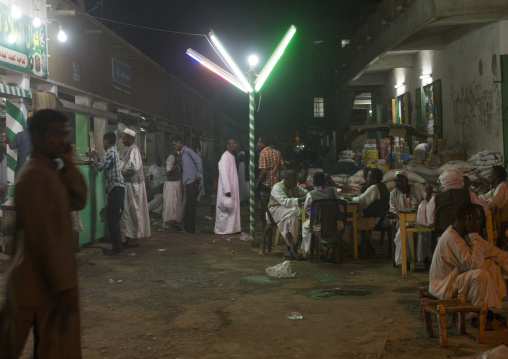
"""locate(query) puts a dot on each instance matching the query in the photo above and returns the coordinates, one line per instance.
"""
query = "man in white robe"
(453, 182)
(135, 222)
(464, 263)
(227, 217)
(400, 198)
(284, 205)
(173, 193)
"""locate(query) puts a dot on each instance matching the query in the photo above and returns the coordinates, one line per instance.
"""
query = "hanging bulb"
(62, 37)
(11, 39)
(37, 21)
(15, 12)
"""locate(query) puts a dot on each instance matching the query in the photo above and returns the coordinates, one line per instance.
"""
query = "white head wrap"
(129, 132)
(452, 179)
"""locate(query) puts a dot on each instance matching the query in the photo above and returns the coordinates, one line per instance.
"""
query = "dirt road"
(207, 296)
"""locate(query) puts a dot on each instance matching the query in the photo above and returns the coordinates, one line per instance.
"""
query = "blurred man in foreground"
(43, 288)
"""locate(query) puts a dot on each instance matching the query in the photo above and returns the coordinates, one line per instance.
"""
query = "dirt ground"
(208, 296)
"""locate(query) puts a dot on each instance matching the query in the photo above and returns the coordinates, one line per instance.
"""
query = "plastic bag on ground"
(281, 270)
(501, 352)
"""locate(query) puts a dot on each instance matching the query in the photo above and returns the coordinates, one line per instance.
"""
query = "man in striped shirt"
(115, 189)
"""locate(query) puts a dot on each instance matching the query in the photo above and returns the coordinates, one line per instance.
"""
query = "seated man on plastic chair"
(374, 203)
(320, 192)
(284, 205)
(465, 263)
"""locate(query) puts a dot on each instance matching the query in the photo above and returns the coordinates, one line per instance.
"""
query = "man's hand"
(197, 178)
(228, 194)
(92, 155)
(67, 156)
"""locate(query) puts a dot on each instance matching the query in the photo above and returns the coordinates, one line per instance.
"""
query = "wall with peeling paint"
(471, 101)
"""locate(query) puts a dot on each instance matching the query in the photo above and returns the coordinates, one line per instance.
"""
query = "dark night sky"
(244, 27)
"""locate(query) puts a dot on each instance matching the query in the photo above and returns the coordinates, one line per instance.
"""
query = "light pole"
(251, 84)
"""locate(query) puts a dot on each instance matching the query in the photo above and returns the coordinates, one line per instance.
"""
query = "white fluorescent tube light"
(219, 71)
(229, 60)
(426, 76)
(399, 85)
(263, 75)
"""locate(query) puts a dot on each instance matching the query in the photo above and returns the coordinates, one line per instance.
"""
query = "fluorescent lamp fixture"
(36, 22)
(62, 36)
(229, 60)
(15, 12)
(399, 85)
(219, 71)
(263, 75)
(253, 61)
(426, 76)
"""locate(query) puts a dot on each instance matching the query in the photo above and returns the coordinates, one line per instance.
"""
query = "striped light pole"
(15, 121)
(251, 85)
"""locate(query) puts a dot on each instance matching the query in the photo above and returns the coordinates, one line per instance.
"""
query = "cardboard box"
(369, 147)
(370, 156)
(371, 141)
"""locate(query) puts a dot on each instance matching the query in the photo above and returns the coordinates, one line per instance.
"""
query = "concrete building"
(101, 82)
(439, 65)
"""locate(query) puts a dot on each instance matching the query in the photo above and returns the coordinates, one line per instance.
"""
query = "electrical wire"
(218, 54)
(142, 27)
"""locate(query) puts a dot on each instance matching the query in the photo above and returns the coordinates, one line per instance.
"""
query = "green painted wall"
(504, 95)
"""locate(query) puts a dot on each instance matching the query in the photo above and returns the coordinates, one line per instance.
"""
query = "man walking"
(135, 220)
(227, 219)
(192, 173)
(43, 287)
(115, 190)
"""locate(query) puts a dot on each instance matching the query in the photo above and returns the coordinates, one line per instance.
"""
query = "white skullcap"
(402, 173)
(129, 132)
(241, 153)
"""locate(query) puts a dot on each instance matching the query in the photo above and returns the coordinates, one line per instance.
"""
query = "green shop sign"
(22, 45)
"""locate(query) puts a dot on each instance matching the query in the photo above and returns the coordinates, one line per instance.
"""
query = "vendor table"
(408, 215)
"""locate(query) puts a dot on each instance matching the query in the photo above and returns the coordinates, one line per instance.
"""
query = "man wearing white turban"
(453, 182)
(401, 198)
(135, 223)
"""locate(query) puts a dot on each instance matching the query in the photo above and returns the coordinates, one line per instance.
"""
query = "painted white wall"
(471, 103)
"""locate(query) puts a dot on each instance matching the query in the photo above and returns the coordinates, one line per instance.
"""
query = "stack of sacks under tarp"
(389, 178)
(430, 174)
(486, 159)
(356, 179)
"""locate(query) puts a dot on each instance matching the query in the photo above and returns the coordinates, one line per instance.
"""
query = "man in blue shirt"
(192, 174)
(23, 142)
(115, 189)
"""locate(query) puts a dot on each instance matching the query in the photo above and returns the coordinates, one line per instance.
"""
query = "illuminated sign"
(22, 45)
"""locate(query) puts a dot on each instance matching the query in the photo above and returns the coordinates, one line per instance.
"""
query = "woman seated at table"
(321, 191)
(401, 198)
